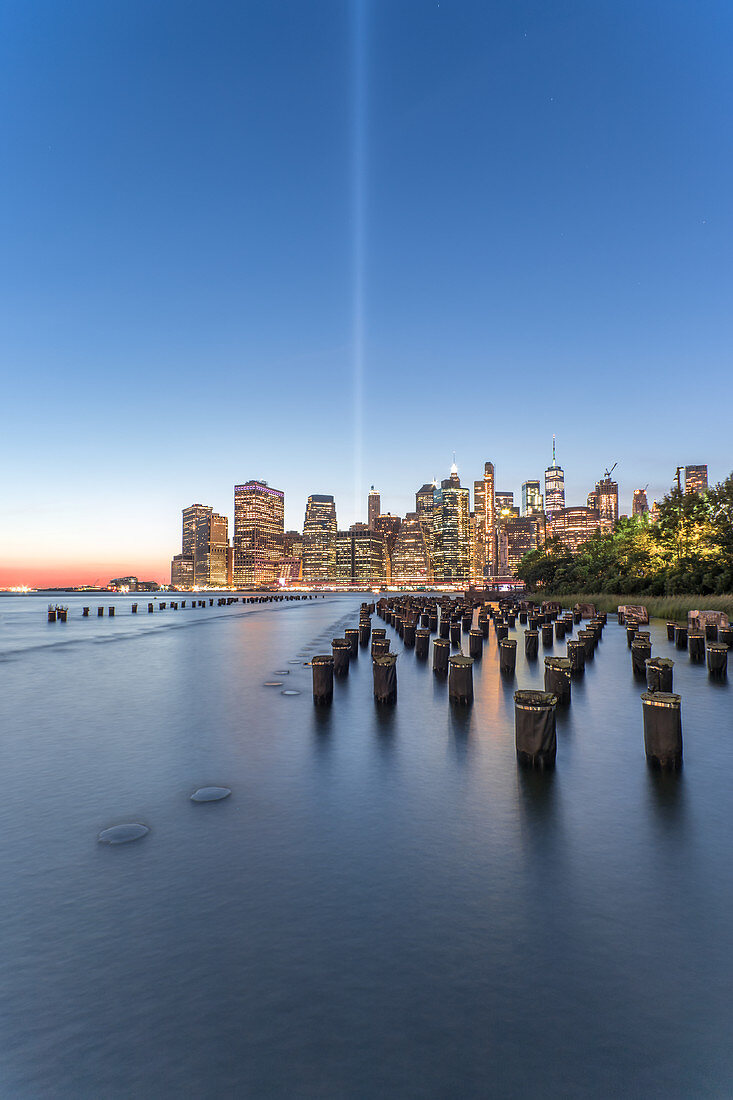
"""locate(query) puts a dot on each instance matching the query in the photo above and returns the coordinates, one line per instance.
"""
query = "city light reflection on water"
(385, 902)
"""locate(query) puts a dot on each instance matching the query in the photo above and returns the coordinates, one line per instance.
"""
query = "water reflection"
(666, 796)
(537, 794)
(460, 720)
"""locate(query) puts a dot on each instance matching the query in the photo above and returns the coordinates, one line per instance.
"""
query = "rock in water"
(122, 834)
(210, 794)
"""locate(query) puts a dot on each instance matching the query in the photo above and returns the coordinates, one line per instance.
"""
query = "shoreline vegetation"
(659, 607)
(683, 560)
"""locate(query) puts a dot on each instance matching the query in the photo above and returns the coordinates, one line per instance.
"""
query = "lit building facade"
(191, 517)
(639, 505)
(319, 539)
(182, 571)
(259, 533)
(293, 545)
(554, 486)
(410, 557)
(359, 556)
(211, 550)
(374, 507)
(517, 536)
(606, 499)
(696, 479)
(574, 526)
(451, 532)
(484, 506)
(388, 527)
(531, 498)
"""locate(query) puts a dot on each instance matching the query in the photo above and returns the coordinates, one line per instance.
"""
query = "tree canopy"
(689, 549)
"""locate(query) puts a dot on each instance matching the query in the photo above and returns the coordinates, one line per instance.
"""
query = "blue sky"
(329, 243)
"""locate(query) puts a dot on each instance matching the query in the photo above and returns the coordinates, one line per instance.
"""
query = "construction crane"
(608, 472)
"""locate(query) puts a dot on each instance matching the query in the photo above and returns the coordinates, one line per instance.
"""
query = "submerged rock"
(290, 691)
(123, 834)
(210, 794)
(273, 683)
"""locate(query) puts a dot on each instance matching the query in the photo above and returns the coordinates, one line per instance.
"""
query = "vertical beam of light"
(358, 180)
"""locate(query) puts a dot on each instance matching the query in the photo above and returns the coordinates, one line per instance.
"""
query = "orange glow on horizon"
(74, 574)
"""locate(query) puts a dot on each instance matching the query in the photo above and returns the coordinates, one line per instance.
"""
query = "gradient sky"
(327, 243)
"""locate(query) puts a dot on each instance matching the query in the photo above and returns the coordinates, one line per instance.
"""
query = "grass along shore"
(659, 607)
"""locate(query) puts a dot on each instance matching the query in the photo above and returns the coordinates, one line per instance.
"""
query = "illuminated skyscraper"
(574, 526)
(293, 545)
(554, 485)
(517, 536)
(319, 539)
(182, 571)
(259, 533)
(531, 498)
(605, 499)
(410, 558)
(183, 564)
(388, 527)
(484, 506)
(211, 549)
(359, 556)
(451, 533)
(696, 479)
(374, 505)
(640, 505)
(191, 516)
(504, 502)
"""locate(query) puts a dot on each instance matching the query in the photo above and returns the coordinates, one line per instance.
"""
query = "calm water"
(385, 905)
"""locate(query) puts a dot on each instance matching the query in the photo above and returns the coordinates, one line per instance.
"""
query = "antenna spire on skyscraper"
(553, 450)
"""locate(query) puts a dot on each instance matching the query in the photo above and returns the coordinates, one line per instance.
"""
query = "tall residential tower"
(554, 485)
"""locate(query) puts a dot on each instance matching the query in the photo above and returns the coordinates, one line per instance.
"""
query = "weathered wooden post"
(534, 728)
(662, 729)
(322, 666)
(384, 672)
(507, 656)
(659, 674)
(460, 679)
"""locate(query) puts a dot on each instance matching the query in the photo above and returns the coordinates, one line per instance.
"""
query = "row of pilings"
(450, 622)
(60, 614)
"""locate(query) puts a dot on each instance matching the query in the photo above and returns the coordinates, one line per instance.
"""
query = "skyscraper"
(359, 556)
(374, 507)
(191, 516)
(606, 499)
(210, 549)
(484, 505)
(259, 533)
(319, 539)
(517, 536)
(504, 501)
(640, 505)
(183, 564)
(451, 534)
(410, 558)
(388, 527)
(554, 485)
(696, 479)
(531, 498)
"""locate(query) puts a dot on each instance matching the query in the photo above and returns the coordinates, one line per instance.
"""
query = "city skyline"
(156, 569)
(449, 538)
(313, 237)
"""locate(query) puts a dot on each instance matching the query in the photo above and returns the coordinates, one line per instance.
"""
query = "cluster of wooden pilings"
(174, 605)
(450, 623)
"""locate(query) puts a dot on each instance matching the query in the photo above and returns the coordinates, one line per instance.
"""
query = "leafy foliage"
(688, 550)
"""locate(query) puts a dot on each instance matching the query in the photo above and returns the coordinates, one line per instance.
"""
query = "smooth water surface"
(385, 905)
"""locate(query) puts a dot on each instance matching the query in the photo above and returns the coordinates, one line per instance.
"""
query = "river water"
(386, 904)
